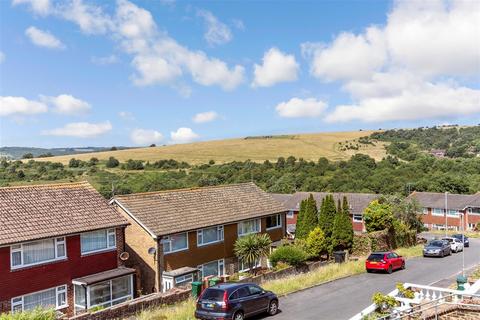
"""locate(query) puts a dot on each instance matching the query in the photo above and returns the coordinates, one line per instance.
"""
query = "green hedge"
(292, 255)
(36, 314)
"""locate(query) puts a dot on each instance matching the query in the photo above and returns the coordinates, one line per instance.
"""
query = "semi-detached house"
(59, 248)
(179, 235)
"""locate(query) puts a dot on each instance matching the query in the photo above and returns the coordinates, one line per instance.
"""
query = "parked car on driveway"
(455, 244)
(384, 261)
(235, 301)
(466, 242)
(437, 248)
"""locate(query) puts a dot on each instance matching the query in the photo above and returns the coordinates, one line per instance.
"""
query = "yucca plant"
(252, 248)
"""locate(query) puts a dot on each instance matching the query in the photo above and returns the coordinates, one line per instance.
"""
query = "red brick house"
(178, 236)
(452, 211)
(59, 248)
(357, 202)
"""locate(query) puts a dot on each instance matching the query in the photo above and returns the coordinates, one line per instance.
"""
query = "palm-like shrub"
(251, 248)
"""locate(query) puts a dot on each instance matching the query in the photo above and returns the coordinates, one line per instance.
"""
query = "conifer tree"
(307, 218)
(342, 237)
(327, 215)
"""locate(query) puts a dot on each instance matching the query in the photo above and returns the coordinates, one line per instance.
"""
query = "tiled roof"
(282, 197)
(41, 211)
(437, 200)
(357, 201)
(168, 212)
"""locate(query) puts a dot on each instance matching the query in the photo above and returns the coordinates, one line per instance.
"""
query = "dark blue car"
(235, 301)
(466, 242)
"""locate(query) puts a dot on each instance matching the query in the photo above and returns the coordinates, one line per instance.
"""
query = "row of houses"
(64, 245)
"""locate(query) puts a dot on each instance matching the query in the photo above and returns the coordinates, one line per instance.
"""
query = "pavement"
(341, 299)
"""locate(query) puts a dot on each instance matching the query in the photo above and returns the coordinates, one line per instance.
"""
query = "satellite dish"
(124, 256)
(152, 251)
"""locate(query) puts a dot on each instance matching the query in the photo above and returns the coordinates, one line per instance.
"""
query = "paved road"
(342, 299)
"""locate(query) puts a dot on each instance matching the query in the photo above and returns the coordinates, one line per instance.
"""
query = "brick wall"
(135, 306)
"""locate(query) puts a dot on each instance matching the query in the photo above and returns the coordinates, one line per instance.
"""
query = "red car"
(385, 261)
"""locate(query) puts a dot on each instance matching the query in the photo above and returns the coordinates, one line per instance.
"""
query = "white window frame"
(110, 246)
(19, 301)
(19, 248)
(279, 222)
(220, 236)
(166, 241)
(258, 227)
(438, 214)
(355, 217)
(453, 213)
(111, 301)
(290, 214)
(186, 278)
(470, 211)
(258, 264)
(425, 210)
(471, 226)
(437, 226)
(221, 265)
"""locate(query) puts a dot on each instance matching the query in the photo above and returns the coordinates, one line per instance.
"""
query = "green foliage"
(342, 235)
(93, 161)
(405, 293)
(74, 163)
(362, 245)
(307, 218)
(252, 247)
(316, 243)
(133, 165)
(326, 218)
(27, 156)
(406, 210)
(383, 302)
(112, 163)
(378, 216)
(290, 254)
(36, 314)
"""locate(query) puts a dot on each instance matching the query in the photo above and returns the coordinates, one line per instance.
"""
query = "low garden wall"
(136, 305)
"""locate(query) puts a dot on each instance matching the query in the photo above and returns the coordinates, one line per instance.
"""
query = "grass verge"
(293, 283)
(470, 234)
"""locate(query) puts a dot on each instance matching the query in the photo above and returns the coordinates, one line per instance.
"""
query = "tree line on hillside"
(360, 173)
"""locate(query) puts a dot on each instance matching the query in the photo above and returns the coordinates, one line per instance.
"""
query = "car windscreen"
(436, 243)
(375, 257)
(448, 239)
(213, 294)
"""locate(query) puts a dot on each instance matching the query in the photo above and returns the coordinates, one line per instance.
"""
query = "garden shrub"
(36, 314)
(290, 254)
(362, 244)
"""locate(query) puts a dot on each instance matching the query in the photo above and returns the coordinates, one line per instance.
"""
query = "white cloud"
(183, 135)
(125, 115)
(20, 106)
(416, 100)
(301, 108)
(90, 19)
(205, 117)
(216, 31)
(2, 57)
(80, 130)
(43, 38)
(276, 67)
(237, 23)
(145, 137)
(67, 104)
(106, 60)
(348, 57)
(41, 7)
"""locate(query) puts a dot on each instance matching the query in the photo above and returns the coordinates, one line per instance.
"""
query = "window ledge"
(210, 243)
(33, 265)
(180, 250)
(89, 253)
(273, 228)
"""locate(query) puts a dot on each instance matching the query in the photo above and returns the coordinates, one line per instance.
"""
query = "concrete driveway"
(343, 298)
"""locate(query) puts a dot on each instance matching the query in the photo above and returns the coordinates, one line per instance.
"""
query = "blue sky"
(86, 73)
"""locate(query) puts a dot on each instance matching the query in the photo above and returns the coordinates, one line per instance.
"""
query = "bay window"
(96, 241)
(248, 226)
(37, 252)
(174, 243)
(209, 235)
(51, 298)
(274, 221)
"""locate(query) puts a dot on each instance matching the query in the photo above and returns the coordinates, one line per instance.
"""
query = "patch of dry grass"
(307, 146)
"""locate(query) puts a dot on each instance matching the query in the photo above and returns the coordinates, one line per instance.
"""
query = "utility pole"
(463, 243)
(446, 210)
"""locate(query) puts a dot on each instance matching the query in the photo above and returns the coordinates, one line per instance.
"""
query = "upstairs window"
(274, 221)
(97, 241)
(209, 235)
(453, 213)
(37, 252)
(438, 212)
(357, 218)
(425, 210)
(248, 226)
(176, 242)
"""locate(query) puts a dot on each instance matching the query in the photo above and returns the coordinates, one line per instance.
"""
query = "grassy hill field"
(258, 149)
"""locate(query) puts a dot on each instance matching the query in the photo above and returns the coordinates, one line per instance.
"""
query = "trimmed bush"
(291, 255)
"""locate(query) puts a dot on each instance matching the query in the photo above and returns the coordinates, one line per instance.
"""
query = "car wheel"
(390, 269)
(369, 271)
(442, 255)
(238, 315)
(403, 265)
(273, 307)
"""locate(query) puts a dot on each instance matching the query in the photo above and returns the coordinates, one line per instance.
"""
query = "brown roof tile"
(41, 211)
(168, 212)
(437, 200)
(357, 201)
